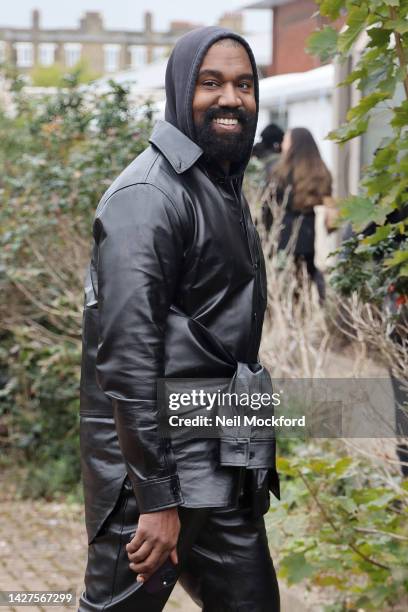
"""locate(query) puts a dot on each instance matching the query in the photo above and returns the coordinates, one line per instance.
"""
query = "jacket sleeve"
(139, 241)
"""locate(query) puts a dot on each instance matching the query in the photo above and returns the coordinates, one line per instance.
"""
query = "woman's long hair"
(303, 168)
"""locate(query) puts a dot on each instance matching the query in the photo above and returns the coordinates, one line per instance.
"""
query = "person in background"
(302, 181)
(268, 151)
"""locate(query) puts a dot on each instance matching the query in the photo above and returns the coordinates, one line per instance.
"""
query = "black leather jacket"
(176, 288)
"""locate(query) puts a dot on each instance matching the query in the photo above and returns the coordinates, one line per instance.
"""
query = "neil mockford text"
(218, 399)
(208, 400)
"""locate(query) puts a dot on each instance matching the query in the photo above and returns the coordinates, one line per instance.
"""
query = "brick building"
(103, 51)
(292, 22)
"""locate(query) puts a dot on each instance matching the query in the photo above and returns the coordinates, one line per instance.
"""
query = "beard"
(233, 148)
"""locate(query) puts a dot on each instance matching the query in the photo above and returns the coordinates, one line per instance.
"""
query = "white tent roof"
(145, 80)
(296, 86)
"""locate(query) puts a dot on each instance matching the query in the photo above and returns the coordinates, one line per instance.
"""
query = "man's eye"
(245, 85)
(210, 84)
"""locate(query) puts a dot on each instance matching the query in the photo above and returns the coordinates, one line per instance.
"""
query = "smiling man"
(177, 288)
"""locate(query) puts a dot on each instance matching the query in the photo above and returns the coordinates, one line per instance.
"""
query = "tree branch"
(400, 50)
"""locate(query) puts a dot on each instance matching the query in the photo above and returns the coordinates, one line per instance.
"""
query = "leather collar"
(177, 148)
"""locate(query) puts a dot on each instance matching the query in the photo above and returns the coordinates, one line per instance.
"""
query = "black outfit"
(176, 288)
(303, 248)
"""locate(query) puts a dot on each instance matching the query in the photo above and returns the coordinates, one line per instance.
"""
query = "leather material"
(176, 288)
(215, 549)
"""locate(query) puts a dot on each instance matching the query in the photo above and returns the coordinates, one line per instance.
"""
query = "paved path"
(43, 547)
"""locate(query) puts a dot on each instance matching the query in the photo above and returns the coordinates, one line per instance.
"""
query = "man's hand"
(155, 540)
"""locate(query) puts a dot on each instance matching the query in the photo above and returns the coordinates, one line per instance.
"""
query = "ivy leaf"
(323, 43)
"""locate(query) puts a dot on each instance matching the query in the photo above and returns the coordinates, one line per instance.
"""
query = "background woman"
(302, 177)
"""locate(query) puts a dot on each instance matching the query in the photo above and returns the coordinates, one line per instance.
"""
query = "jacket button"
(256, 265)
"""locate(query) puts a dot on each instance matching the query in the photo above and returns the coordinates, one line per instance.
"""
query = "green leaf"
(323, 43)
(342, 465)
(380, 234)
(331, 8)
(284, 466)
(366, 104)
(379, 37)
(358, 210)
(326, 580)
(356, 23)
(397, 25)
(295, 568)
(350, 130)
(400, 118)
(403, 271)
(399, 257)
(355, 75)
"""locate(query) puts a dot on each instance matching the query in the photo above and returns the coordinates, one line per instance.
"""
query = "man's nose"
(230, 96)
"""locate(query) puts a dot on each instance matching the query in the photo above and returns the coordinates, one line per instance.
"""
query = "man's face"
(224, 106)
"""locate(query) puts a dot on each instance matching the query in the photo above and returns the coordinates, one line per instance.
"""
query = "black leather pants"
(224, 563)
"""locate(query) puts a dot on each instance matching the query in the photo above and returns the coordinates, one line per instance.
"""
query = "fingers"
(136, 541)
(150, 565)
(173, 556)
(141, 554)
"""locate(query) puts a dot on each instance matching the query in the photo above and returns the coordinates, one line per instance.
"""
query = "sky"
(129, 13)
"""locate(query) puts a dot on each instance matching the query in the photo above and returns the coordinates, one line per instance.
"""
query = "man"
(177, 288)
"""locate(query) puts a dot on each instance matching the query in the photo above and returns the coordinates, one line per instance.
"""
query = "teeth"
(227, 121)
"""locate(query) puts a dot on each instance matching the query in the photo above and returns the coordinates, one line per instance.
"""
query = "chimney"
(91, 22)
(148, 22)
(232, 21)
(35, 19)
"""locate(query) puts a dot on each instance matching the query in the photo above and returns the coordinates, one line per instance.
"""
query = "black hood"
(182, 71)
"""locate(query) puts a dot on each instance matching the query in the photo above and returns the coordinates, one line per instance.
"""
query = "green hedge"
(59, 154)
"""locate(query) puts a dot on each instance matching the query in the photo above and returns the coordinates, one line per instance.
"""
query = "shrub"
(60, 153)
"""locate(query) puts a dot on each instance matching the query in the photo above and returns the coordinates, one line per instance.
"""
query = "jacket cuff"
(157, 494)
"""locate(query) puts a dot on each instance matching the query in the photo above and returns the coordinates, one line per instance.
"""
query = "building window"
(138, 56)
(24, 55)
(47, 54)
(72, 54)
(159, 53)
(112, 57)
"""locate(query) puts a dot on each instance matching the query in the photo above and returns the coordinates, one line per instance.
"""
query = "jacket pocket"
(103, 471)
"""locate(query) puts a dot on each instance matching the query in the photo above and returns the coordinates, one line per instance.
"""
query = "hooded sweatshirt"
(181, 78)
